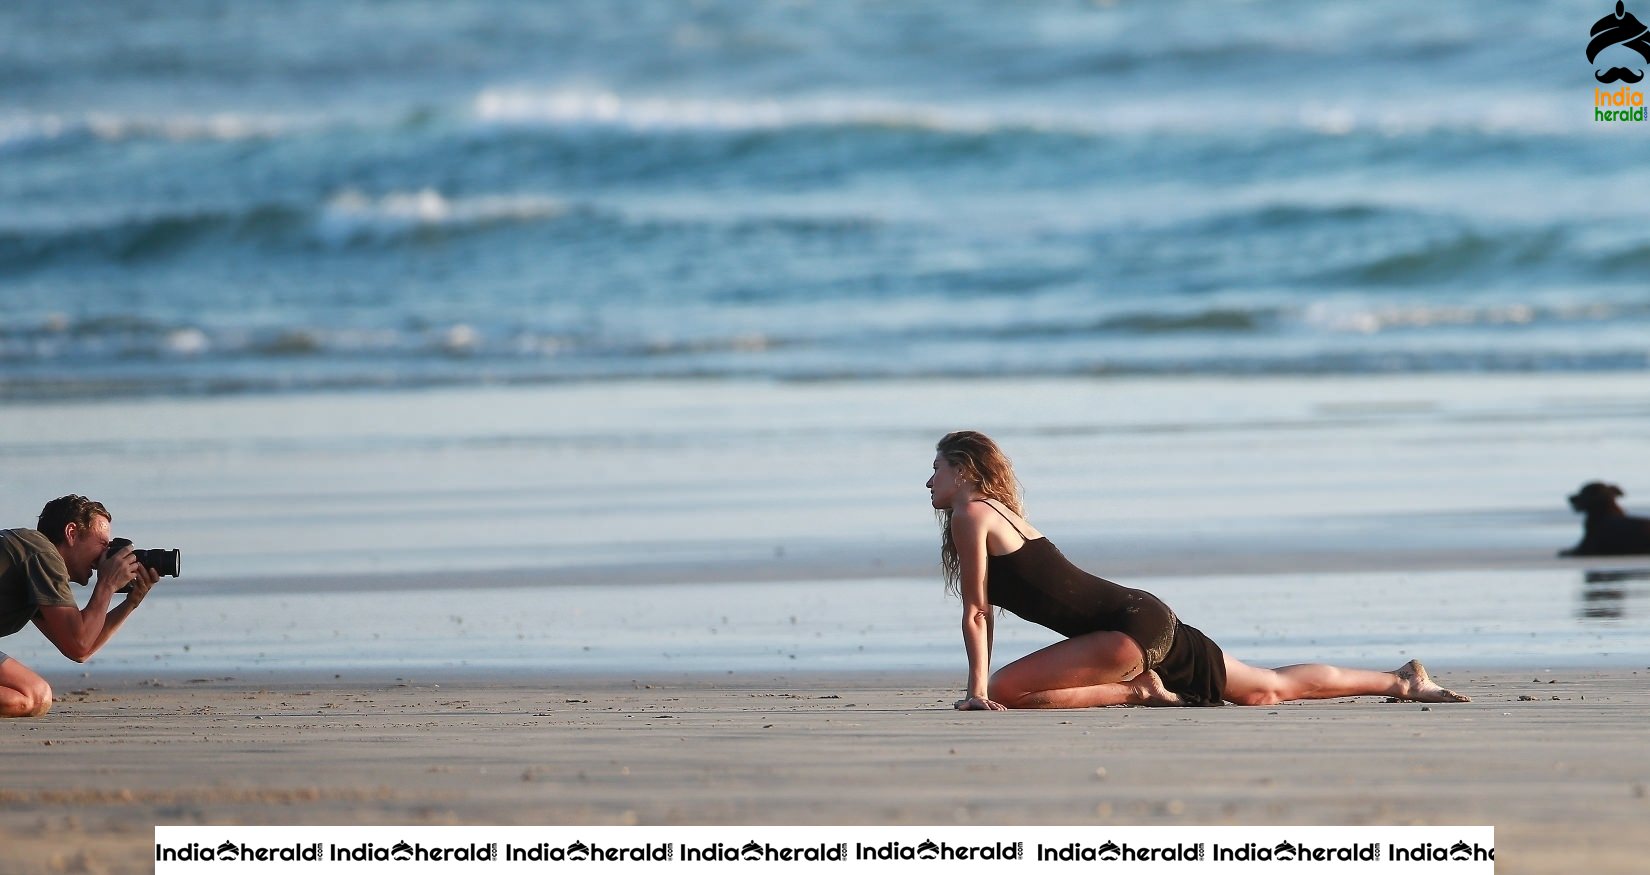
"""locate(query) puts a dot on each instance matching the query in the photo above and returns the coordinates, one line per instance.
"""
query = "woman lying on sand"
(1123, 646)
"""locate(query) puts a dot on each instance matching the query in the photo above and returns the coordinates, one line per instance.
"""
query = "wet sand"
(1561, 774)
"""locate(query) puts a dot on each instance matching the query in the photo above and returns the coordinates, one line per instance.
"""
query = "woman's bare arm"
(968, 533)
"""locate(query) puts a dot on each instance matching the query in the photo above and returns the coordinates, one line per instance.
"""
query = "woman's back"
(1038, 583)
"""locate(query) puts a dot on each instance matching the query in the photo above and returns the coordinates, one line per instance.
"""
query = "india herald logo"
(1621, 29)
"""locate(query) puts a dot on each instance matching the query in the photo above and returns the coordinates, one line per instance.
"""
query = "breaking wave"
(348, 218)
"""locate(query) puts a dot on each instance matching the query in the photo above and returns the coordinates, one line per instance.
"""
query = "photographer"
(70, 542)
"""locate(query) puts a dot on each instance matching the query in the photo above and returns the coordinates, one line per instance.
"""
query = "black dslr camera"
(163, 562)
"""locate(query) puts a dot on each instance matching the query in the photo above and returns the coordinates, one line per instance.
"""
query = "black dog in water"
(1608, 531)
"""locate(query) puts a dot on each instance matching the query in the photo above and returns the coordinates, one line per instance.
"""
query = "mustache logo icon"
(1621, 29)
(1619, 74)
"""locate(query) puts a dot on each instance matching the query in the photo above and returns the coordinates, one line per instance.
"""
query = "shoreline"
(821, 564)
(1554, 773)
(623, 622)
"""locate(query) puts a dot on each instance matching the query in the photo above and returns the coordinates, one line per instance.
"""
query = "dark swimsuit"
(1038, 583)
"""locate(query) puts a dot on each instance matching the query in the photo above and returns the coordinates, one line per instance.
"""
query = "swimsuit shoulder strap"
(1005, 518)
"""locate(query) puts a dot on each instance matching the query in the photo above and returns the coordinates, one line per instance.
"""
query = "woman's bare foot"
(1148, 689)
(1416, 685)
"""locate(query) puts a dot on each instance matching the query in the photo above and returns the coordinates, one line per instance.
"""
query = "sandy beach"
(1553, 760)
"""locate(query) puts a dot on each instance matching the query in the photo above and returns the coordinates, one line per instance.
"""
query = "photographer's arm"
(79, 633)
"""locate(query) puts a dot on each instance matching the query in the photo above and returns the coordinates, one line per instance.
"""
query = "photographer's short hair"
(58, 513)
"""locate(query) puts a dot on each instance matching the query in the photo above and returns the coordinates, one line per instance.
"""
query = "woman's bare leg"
(1248, 685)
(1100, 668)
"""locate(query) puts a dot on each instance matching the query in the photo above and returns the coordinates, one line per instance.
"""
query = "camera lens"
(163, 562)
(167, 563)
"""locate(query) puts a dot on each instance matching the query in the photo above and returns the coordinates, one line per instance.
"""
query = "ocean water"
(202, 197)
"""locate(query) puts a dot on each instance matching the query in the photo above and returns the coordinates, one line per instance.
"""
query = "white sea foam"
(351, 215)
(189, 341)
(220, 126)
(605, 108)
(18, 131)
(1211, 113)
(1346, 318)
(24, 130)
(598, 107)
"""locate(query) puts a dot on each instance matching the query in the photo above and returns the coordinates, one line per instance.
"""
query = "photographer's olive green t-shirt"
(32, 576)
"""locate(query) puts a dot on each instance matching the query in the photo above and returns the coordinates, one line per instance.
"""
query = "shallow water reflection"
(1606, 594)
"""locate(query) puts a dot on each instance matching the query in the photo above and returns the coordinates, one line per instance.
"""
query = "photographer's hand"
(117, 570)
(141, 584)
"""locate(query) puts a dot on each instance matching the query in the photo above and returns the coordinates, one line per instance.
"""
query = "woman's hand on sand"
(978, 703)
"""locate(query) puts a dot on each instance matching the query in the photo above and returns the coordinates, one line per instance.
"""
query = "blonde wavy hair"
(981, 462)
